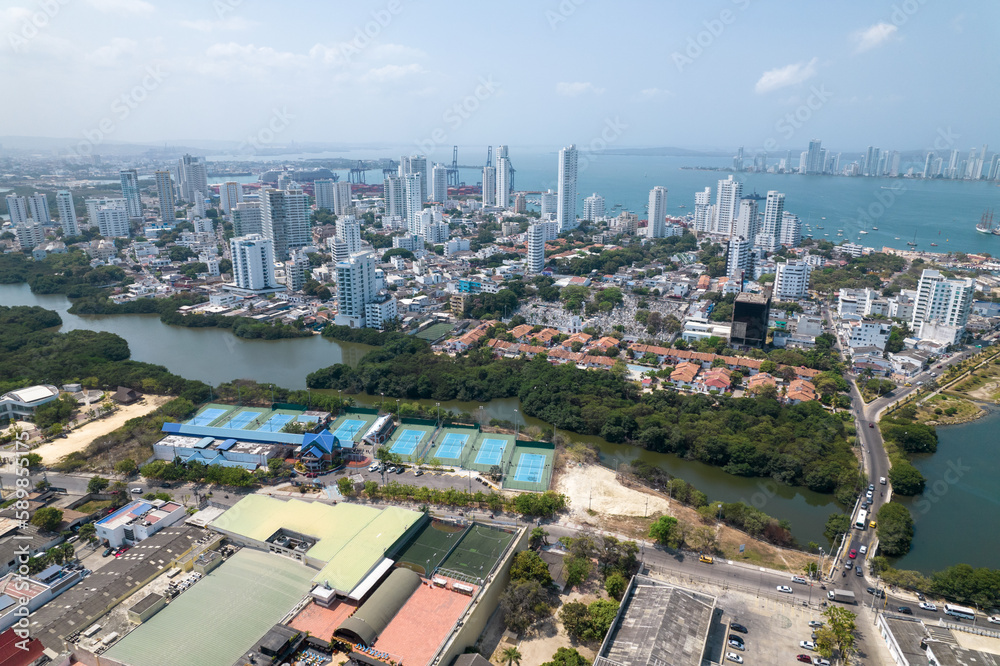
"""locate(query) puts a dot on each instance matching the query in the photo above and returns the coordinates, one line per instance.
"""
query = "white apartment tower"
(247, 218)
(356, 287)
(253, 263)
(770, 228)
(67, 213)
(727, 202)
(549, 203)
(414, 201)
(657, 223)
(29, 235)
(748, 219)
(738, 258)
(17, 207)
(342, 201)
(285, 220)
(416, 164)
(702, 203)
(791, 230)
(941, 301)
(349, 232)
(165, 193)
(38, 207)
(193, 175)
(439, 183)
(535, 260)
(113, 219)
(130, 191)
(323, 189)
(503, 177)
(791, 280)
(230, 194)
(489, 186)
(394, 195)
(593, 207)
(566, 206)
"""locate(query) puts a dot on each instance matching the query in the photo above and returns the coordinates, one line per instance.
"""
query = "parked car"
(733, 643)
(400, 470)
(820, 661)
(809, 645)
(881, 480)
(815, 624)
(927, 606)
(732, 656)
(905, 610)
(107, 551)
(858, 572)
(736, 626)
(871, 487)
(137, 491)
(418, 472)
(804, 658)
(852, 554)
(784, 588)
(862, 550)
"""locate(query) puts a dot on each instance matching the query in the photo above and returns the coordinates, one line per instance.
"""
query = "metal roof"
(233, 433)
(374, 616)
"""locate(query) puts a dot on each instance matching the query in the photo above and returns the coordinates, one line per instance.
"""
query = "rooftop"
(32, 394)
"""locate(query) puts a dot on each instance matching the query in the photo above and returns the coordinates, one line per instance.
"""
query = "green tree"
(523, 602)
(87, 532)
(895, 529)
(905, 478)
(528, 565)
(97, 484)
(511, 656)
(345, 487)
(47, 518)
(537, 538)
(577, 569)
(567, 657)
(842, 626)
(837, 524)
(126, 467)
(662, 531)
(615, 585)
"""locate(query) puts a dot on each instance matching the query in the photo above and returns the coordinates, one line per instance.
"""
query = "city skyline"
(855, 83)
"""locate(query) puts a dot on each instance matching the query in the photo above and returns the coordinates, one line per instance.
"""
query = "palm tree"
(511, 656)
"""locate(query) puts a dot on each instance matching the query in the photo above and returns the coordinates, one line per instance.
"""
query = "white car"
(881, 480)
(928, 606)
(809, 645)
(994, 619)
(862, 550)
(732, 656)
(820, 661)
(784, 588)
(815, 624)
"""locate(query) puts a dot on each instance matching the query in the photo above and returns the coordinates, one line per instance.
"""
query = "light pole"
(481, 414)
(397, 408)
(340, 399)
(515, 426)
(720, 512)
(438, 405)
(382, 404)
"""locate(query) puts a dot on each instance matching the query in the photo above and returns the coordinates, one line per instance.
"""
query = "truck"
(843, 596)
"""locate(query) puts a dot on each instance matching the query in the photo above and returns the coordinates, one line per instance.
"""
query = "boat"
(897, 237)
(913, 243)
(874, 228)
(985, 225)
(682, 206)
(822, 218)
(862, 232)
(818, 227)
(933, 244)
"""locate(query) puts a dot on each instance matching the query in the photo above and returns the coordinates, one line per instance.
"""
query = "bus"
(959, 611)
(862, 521)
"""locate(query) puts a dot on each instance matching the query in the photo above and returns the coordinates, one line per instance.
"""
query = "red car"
(804, 658)
(871, 425)
(311, 475)
(852, 554)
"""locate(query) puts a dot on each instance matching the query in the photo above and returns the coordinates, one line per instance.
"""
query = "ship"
(986, 225)
(934, 244)
(874, 228)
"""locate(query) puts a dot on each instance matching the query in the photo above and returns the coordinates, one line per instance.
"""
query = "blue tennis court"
(407, 442)
(530, 467)
(206, 417)
(452, 445)
(242, 420)
(276, 423)
(491, 452)
(348, 429)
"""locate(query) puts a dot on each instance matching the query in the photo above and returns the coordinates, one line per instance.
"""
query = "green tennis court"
(428, 548)
(478, 551)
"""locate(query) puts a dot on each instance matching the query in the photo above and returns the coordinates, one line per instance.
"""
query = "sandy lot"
(542, 640)
(595, 487)
(78, 439)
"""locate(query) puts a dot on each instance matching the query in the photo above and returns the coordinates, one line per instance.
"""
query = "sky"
(708, 75)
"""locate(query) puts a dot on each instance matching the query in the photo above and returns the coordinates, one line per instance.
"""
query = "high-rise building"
(953, 164)
(814, 157)
(738, 160)
(323, 189)
(38, 208)
(416, 164)
(29, 235)
(165, 193)
(548, 203)
(520, 203)
(414, 201)
(67, 213)
(566, 206)
(295, 270)
(994, 170)
(535, 260)
(770, 228)
(489, 186)
(791, 230)
(192, 174)
(503, 177)
(17, 207)
(130, 191)
(285, 220)
(113, 219)
(791, 280)
(702, 203)
(738, 258)
(394, 195)
(342, 201)
(356, 286)
(230, 194)
(349, 231)
(439, 183)
(253, 263)
(657, 223)
(247, 218)
(593, 207)
(727, 205)
(748, 218)
(928, 165)
(942, 302)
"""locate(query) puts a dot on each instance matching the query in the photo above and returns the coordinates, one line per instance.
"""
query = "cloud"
(653, 93)
(119, 6)
(789, 75)
(206, 25)
(578, 88)
(108, 55)
(876, 35)
(957, 23)
(392, 72)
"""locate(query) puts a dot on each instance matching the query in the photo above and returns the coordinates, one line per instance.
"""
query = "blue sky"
(708, 75)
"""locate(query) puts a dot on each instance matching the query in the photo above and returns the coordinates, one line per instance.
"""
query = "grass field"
(94, 505)
(944, 409)
(428, 548)
(478, 551)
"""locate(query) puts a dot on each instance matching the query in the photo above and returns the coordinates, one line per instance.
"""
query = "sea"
(893, 211)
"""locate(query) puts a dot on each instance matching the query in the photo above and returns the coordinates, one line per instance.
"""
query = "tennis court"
(529, 468)
(478, 551)
(452, 445)
(407, 442)
(491, 452)
(276, 423)
(206, 416)
(348, 430)
(428, 548)
(242, 420)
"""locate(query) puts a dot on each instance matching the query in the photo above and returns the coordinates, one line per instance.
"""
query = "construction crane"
(391, 170)
(453, 174)
(335, 177)
(489, 156)
(357, 174)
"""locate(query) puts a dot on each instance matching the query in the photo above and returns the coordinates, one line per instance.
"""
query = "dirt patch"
(80, 438)
(543, 639)
(594, 488)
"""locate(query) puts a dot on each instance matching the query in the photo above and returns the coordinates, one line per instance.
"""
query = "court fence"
(413, 421)
(546, 449)
(361, 410)
(485, 468)
(290, 406)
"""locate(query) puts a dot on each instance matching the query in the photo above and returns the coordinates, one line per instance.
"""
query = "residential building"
(295, 270)
(356, 287)
(342, 202)
(323, 190)
(867, 333)
(416, 164)
(192, 174)
(165, 193)
(593, 207)
(727, 201)
(67, 213)
(566, 203)
(381, 310)
(29, 235)
(414, 201)
(548, 203)
(394, 196)
(456, 245)
(349, 231)
(230, 194)
(814, 157)
(748, 218)
(791, 230)
(791, 280)
(247, 218)
(503, 177)
(489, 186)
(941, 302)
(656, 225)
(253, 264)
(131, 192)
(520, 203)
(112, 218)
(702, 204)
(408, 242)
(17, 207)
(738, 258)
(535, 260)
(439, 183)
(38, 207)
(285, 220)
(770, 228)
